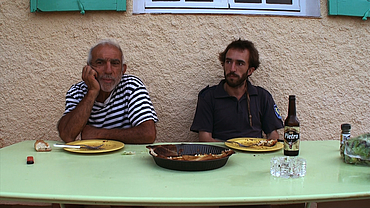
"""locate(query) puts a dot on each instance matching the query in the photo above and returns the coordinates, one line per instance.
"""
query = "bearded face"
(236, 67)
(107, 61)
(234, 80)
(108, 81)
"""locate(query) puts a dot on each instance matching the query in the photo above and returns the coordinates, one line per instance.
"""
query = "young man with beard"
(108, 104)
(236, 108)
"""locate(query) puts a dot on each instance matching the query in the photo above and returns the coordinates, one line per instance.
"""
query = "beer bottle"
(291, 130)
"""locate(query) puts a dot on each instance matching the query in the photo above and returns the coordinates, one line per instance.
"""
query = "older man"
(108, 104)
(235, 107)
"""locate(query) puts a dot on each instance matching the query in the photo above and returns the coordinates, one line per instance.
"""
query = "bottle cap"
(345, 126)
(292, 97)
(30, 160)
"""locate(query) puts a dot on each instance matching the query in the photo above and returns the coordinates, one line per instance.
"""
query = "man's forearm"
(71, 124)
(206, 137)
(145, 133)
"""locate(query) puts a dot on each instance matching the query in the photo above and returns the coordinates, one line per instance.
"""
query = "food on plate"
(254, 143)
(267, 142)
(171, 152)
(42, 146)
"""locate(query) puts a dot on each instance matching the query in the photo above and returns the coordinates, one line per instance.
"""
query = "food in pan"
(171, 152)
(203, 157)
(163, 151)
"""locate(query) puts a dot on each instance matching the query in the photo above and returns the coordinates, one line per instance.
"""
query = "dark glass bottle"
(346, 133)
(344, 136)
(291, 130)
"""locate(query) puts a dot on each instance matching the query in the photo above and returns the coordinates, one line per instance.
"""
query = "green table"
(116, 179)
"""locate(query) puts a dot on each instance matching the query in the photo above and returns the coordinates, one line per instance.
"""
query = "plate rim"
(277, 147)
(120, 146)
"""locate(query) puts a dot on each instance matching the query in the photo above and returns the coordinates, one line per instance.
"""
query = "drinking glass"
(288, 167)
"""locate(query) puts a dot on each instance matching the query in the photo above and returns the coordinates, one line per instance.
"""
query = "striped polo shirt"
(127, 106)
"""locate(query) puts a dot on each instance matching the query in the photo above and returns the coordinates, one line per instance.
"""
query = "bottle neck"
(291, 108)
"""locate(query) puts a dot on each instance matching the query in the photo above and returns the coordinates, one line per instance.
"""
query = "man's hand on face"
(89, 76)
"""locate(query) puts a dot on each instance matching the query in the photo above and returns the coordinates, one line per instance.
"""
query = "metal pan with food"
(189, 157)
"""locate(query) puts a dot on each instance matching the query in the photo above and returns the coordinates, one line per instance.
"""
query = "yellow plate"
(108, 146)
(250, 141)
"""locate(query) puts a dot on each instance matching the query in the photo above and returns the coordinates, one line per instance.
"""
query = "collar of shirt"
(221, 93)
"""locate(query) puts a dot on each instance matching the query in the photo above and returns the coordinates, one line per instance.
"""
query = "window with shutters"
(76, 5)
(263, 7)
(358, 8)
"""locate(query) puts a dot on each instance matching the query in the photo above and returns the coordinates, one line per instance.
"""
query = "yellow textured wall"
(323, 61)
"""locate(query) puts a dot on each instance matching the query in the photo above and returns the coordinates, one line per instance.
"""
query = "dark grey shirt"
(226, 117)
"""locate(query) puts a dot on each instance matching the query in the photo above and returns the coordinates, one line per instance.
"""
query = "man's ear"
(124, 67)
(250, 71)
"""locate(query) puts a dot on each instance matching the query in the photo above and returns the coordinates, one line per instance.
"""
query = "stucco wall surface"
(323, 61)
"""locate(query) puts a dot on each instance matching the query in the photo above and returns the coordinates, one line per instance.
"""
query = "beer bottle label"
(291, 138)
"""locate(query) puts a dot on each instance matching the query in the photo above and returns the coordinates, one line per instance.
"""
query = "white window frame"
(257, 6)
(184, 4)
(308, 8)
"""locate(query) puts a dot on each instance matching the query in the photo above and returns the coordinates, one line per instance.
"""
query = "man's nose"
(108, 68)
(233, 66)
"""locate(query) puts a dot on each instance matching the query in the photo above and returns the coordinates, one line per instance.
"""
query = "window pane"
(185, 0)
(279, 1)
(248, 1)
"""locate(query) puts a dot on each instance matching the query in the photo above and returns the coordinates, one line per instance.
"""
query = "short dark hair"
(242, 45)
